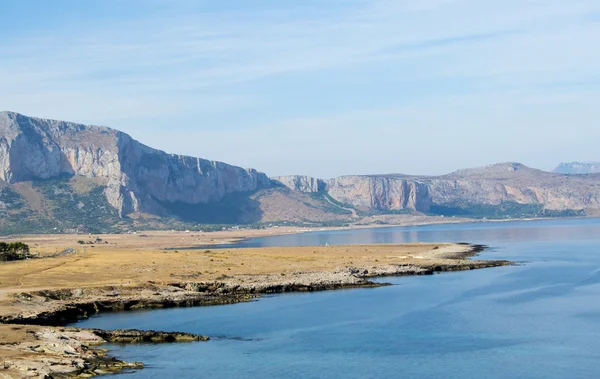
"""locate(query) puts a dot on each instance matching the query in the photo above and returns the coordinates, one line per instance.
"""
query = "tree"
(13, 251)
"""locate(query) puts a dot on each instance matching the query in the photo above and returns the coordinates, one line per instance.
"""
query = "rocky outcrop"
(515, 183)
(140, 336)
(137, 177)
(65, 352)
(578, 168)
(380, 193)
(33, 352)
(301, 183)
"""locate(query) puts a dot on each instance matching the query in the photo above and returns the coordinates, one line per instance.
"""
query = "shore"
(53, 244)
(39, 296)
(48, 244)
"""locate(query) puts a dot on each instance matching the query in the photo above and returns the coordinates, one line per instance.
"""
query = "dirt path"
(352, 210)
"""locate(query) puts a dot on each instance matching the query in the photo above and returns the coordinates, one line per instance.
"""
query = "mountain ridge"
(578, 168)
(137, 176)
(57, 175)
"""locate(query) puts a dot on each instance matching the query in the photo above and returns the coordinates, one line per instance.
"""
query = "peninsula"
(38, 297)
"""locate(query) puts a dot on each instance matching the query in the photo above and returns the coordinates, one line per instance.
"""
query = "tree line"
(13, 251)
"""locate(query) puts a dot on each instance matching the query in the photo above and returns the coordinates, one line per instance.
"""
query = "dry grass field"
(128, 266)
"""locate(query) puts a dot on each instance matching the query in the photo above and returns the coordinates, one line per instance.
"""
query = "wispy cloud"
(261, 69)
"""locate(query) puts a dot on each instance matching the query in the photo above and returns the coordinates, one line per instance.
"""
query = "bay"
(537, 319)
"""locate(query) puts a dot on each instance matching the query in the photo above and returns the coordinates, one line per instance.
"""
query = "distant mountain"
(578, 168)
(58, 176)
(496, 191)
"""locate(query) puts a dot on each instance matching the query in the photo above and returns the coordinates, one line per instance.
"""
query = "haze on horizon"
(323, 88)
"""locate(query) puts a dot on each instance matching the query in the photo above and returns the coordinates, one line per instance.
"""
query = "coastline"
(47, 244)
(54, 308)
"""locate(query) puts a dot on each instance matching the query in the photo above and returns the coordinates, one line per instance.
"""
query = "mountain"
(68, 177)
(58, 176)
(43, 160)
(498, 191)
(137, 177)
(578, 168)
(515, 190)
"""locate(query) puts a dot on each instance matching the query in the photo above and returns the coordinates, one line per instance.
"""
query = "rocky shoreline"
(61, 352)
(48, 311)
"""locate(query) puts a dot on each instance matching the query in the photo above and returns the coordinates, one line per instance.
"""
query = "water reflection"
(489, 232)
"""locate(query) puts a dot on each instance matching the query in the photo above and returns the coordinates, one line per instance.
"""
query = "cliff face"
(301, 183)
(365, 192)
(136, 176)
(380, 193)
(516, 183)
(501, 189)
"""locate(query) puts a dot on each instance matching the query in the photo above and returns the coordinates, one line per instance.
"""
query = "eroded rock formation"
(136, 176)
(380, 193)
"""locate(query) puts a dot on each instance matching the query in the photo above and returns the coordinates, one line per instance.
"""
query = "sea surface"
(537, 319)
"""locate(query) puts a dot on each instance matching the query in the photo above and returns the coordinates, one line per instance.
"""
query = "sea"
(539, 318)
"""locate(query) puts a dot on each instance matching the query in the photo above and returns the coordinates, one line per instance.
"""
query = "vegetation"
(13, 251)
(86, 212)
(507, 209)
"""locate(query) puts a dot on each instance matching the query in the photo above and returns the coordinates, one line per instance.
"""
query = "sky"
(317, 87)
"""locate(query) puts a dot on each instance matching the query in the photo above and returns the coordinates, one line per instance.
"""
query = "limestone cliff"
(518, 184)
(496, 191)
(137, 177)
(301, 183)
(380, 193)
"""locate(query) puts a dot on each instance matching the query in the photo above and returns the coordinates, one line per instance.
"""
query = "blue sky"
(317, 87)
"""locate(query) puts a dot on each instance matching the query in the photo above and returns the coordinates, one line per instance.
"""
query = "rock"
(137, 336)
(301, 183)
(382, 193)
(136, 176)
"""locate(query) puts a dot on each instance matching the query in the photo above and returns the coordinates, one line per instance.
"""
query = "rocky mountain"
(380, 193)
(301, 183)
(513, 189)
(134, 178)
(365, 193)
(501, 190)
(578, 168)
(62, 176)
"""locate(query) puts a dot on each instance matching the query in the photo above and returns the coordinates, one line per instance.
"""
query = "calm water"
(540, 319)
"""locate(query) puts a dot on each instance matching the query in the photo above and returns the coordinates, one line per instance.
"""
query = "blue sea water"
(537, 319)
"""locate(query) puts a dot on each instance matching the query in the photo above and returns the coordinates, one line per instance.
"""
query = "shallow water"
(539, 319)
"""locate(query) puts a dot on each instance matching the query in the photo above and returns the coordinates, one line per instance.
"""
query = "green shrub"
(13, 251)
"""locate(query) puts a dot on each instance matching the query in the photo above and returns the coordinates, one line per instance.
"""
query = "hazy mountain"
(578, 168)
(505, 189)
